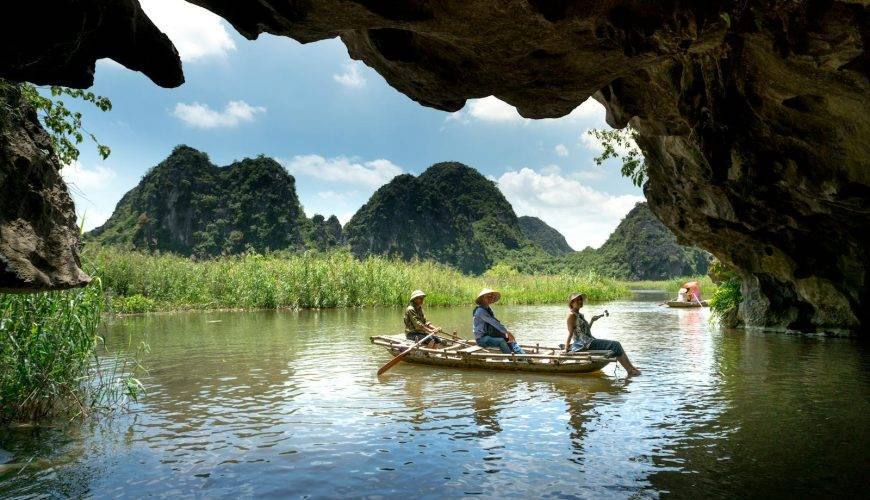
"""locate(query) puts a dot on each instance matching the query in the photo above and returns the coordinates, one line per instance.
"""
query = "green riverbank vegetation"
(142, 282)
(48, 366)
(672, 286)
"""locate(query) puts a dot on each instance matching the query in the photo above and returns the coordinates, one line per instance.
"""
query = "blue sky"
(336, 126)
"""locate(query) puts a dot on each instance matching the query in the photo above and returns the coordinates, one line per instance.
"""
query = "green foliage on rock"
(450, 214)
(622, 145)
(63, 125)
(323, 234)
(541, 234)
(728, 296)
(189, 206)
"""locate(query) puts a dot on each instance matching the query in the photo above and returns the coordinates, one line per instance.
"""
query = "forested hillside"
(189, 206)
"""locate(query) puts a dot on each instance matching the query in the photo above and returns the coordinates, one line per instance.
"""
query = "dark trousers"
(417, 337)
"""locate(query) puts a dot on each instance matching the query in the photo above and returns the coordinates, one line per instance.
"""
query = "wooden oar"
(456, 338)
(398, 358)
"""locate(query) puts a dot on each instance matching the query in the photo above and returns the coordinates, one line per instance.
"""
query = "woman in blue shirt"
(488, 331)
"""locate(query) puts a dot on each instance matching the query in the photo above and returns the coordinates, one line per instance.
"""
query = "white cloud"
(560, 150)
(493, 110)
(351, 78)
(197, 33)
(84, 184)
(584, 215)
(91, 218)
(202, 116)
(370, 174)
(87, 179)
(590, 174)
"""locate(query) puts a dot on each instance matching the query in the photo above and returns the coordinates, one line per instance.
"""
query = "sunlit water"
(287, 404)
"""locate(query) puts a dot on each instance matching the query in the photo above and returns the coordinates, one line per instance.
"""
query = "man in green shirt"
(416, 326)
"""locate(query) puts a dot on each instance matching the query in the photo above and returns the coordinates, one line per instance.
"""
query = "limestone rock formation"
(187, 205)
(59, 41)
(38, 233)
(753, 115)
(324, 234)
(450, 214)
(640, 248)
(546, 237)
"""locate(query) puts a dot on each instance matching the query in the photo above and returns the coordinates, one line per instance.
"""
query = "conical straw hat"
(487, 291)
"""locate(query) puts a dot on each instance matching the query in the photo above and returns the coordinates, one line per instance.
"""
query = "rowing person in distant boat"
(580, 331)
(416, 326)
(488, 331)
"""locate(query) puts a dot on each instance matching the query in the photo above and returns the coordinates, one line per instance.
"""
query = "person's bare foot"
(634, 372)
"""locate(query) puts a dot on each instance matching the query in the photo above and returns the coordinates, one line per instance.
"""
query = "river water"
(285, 403)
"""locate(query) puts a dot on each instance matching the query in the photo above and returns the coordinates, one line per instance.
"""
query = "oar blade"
(393, 362)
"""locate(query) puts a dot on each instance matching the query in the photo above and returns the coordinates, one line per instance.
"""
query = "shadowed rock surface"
(752, 115)
(38, 233)
(58, 42)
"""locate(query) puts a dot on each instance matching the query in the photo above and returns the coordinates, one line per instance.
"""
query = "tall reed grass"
(136, 282)
(672, 286)
(47, 356)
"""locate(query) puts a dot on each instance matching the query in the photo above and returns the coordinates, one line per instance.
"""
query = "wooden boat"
(678, 303)
(547, 359)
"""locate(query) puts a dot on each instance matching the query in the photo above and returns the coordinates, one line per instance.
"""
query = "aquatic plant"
(47, 362)
(316, 280)
(728, 296)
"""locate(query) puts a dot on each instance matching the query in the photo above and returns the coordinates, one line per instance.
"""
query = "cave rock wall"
(752, 115)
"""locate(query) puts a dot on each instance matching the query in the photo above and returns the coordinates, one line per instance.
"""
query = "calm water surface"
(286, 404)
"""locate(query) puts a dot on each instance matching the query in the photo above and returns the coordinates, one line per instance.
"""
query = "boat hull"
(483, 359)
(679, 304)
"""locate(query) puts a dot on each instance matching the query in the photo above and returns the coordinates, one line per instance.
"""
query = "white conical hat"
(417, 293)
(487, 291)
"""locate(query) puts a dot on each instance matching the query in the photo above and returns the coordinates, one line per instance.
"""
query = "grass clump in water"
(47, 356)
(318, 280)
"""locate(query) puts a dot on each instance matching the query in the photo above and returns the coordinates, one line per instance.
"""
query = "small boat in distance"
(538, 358)
(683, 303)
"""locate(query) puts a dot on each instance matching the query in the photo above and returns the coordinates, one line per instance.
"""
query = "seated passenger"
(581, 331)
(488, 331)
(681, 295)
(416, 326)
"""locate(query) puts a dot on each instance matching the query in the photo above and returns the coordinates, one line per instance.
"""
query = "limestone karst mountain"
(450, 213)
(189, 206)
(641, 248)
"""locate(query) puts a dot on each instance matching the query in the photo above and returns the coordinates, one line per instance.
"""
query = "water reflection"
(286, 403)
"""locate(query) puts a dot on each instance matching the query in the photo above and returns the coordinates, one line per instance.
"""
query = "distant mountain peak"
(450, 213)
(187, 205)
(641, 248)
(545, 236)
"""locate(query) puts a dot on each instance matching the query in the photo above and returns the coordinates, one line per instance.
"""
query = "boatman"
(488, 331)
(416, 326)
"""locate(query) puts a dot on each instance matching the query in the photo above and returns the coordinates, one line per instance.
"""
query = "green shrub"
(726, 300)
(136, 303)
